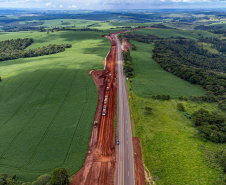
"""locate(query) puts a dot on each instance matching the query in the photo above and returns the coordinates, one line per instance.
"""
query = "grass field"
(78, 23)
(166, 33)
(150, 79)
(48, 104)
(172, 150)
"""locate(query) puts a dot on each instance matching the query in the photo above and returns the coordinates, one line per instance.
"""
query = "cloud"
(110, 4)
(73, 6)
(49, 4)
(191, 1)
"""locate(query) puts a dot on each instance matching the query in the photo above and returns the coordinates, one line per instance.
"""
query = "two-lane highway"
(125, 162)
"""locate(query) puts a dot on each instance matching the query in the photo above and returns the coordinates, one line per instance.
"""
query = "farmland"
(166, 33)
(172, 149)
(150, 79)
(48, 104)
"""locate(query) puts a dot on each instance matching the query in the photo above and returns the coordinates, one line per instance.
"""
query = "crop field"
(166, 33)
(150, 79)
(48, 104)
(78, 23)
(106, 26)
(171, 147)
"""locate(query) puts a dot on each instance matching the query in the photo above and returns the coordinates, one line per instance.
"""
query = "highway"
(125, 159)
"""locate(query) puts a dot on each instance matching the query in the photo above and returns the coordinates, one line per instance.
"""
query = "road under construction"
(107, 163)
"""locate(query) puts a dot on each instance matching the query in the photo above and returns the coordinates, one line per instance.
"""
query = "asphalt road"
(126, 162)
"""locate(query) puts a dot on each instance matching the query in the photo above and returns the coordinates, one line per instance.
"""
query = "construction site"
(100, 165)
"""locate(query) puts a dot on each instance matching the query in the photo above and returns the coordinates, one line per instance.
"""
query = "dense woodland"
(185, 59)
(211, 126)
(15, 48)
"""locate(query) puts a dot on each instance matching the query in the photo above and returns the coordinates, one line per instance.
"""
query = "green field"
(172, 150)
(78, 23)
(48, 104)
(150, 79)
(166, 33)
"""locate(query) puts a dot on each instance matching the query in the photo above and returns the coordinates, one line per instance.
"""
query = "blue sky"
(111, 4)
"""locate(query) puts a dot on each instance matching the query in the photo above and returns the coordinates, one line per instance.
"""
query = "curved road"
(125, 162)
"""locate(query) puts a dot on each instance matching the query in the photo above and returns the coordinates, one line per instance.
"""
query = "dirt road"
(100, 160)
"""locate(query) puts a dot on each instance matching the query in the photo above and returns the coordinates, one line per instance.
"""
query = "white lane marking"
(127, 130)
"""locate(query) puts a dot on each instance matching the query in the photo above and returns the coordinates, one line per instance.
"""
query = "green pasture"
(166, 33)
(220, 23)
(150, 79)
(48, 104)
(78, 23)
(171, 147)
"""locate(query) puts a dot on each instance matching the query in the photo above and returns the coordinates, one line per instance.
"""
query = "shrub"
(180, 107)
(44, 179)
(60, 177)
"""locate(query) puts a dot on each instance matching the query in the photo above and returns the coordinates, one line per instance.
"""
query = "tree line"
(60, 177)
(128, 64)
(15, 48)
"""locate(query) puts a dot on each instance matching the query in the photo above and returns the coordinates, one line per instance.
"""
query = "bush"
(60, 177)
(44, 179)
(180, 107)
(210, 125)
(148, 110)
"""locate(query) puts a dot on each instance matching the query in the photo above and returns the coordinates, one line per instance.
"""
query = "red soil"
(139, 167)
(100, 160)
(125, 45)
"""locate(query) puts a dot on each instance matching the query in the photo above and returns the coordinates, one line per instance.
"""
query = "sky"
(111, 4)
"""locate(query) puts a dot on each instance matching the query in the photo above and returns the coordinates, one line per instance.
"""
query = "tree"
(60, 177)
(180, 107)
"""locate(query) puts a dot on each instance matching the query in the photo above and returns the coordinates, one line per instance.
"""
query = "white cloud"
(49, 4)
(73, 6)
(190, 1)
(109, 4)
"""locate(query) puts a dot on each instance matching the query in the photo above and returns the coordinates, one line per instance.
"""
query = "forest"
(15, 48)
(185, 59)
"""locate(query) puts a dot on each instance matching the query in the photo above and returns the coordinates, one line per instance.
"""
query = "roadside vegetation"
(183, 138)
(172, 148)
